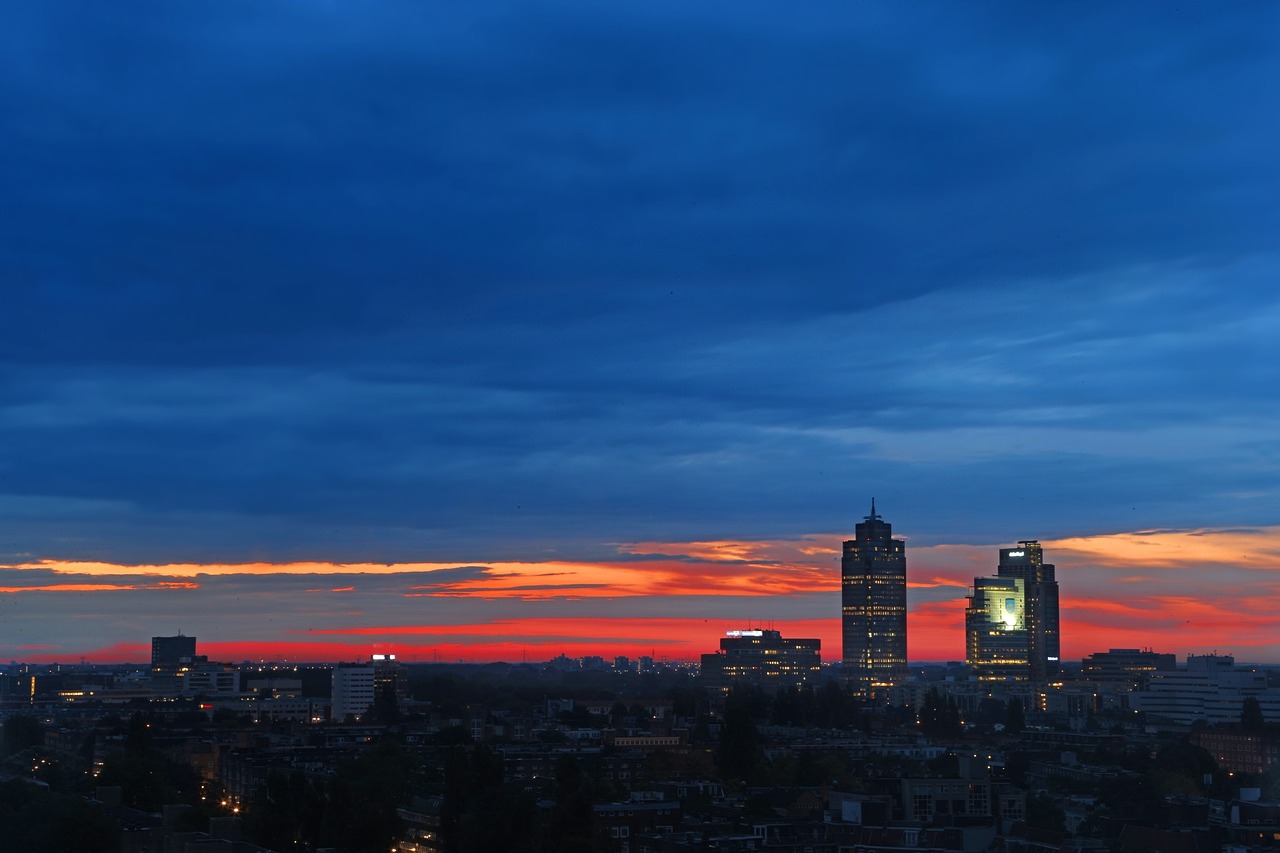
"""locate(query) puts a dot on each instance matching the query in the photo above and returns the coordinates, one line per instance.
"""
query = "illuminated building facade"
(873, 582)
(1011, 622)
(761, 658)
(996, 647)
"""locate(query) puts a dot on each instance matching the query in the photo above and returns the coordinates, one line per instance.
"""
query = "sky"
(499, 330)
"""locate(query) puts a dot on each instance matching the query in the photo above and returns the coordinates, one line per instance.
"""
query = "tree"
(38, 821)
(940, 717)
(1015, 719)
(149, 779)
(479, 813)
(572, 820)
(1251, 718)
(739, 747)
(1179, 767)
(287, 811)
(1044, 813)
(20, 732)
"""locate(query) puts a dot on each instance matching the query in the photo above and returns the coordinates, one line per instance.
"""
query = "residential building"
(1239, 751)
(353, 692)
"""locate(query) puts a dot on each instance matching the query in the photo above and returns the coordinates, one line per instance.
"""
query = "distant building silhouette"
(761, 658)
(389, 680)
(1126, 665)
(1011, 621)
(169, 653)
(873, 579)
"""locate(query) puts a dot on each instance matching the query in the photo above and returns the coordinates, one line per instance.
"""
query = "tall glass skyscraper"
(1011, 622)
(873, 574)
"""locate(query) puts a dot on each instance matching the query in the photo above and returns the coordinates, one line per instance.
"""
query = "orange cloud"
(98, 587)
(757, 551)
(937, 583)
(1121, 590)
(1254, 548)
(529, 580)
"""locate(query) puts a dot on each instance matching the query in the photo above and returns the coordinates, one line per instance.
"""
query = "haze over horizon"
(506, 331)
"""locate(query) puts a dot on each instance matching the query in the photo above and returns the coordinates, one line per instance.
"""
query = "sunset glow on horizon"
(674, 602)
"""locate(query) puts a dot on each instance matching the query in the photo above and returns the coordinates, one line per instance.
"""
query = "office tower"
(390, 681)
(168, 652)
(997, 647)
(761, 658)
(873, 575)
(1011, 621)
(170, 656)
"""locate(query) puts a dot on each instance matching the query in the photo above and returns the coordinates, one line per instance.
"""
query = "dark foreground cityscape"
(761, 746)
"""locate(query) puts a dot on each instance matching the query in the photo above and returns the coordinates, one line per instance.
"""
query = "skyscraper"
(1011, 622)
(873, 575)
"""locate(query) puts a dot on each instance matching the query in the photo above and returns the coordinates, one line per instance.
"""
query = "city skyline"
(506, 330)
(938, 630)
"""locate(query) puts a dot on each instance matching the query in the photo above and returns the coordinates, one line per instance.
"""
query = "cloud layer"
(1117, 591)
(510, 284)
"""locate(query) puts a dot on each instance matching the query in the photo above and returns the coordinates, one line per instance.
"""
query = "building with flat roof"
(1211, 689)
(169, 657)
(761, 658)
(1126, 665)
(353, 692)
(168, 652)
(1239, 751)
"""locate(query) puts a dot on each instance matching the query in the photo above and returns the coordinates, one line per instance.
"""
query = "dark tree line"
(352, 810)
(825, 706)
(481, 814)
(37, 820)
(939, 716)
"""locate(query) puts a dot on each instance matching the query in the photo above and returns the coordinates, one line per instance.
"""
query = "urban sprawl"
(760, 747)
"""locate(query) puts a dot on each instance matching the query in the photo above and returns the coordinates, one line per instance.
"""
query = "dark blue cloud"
(306, 280)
